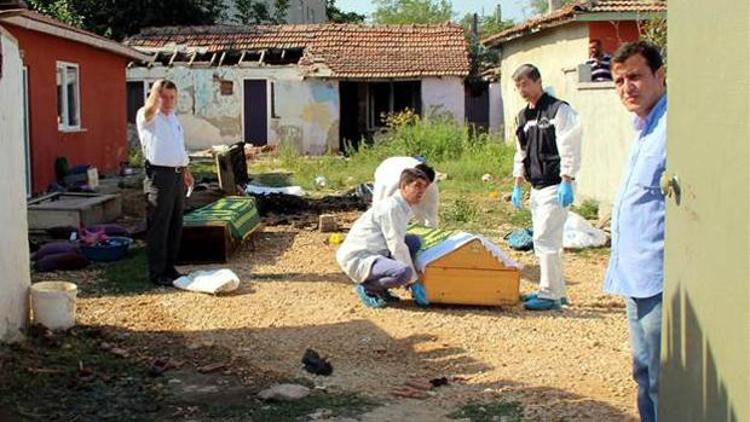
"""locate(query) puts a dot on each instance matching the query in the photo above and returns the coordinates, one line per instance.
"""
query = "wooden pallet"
(73, 209)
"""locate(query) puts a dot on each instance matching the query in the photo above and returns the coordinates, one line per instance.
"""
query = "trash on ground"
(284, 392)
(316, 364)
(327, 223)
(213, 367)
(209, 281)
(578, 233)
(439, 382)
(253, 189)
(520, 239)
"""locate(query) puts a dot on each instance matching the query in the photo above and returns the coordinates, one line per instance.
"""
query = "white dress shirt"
(380, 231)
(387, 177)
(162, 139)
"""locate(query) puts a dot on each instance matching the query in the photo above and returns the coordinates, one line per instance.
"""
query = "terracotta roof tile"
(350, 51)
(568, 12)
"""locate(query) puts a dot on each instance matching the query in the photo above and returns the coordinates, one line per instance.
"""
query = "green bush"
(450, 148)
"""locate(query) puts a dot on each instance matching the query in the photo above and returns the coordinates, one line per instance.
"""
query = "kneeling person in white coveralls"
(548, 155)
(377, 254)
(387, 178)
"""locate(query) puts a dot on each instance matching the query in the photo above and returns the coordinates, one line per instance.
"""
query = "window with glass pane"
(72, 95)
(68, 96)
(60, 97)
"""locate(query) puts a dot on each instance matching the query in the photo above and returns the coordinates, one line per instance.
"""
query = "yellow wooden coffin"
(470, 274)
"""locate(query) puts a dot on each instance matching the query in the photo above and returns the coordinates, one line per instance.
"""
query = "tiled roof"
(348, 50)
(37, 22)
(568, 13)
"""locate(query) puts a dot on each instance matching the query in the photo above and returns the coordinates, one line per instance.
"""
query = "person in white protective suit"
(378, 254)
(548, 156)
(386, 184)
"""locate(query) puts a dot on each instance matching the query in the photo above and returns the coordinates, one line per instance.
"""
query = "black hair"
(649, 52)
(167, 84)
(427, 170)
(409, 176)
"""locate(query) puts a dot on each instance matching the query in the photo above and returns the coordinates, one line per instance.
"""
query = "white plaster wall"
(14, 252)
(607, 135)
(607, 126)
(307, 109)
(551, 51)
(444, 95)
(308, 115)
(496, 108)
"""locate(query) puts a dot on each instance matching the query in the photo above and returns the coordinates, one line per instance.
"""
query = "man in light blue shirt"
(636, 266)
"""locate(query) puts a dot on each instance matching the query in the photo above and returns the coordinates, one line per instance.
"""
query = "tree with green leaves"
(540, 7)
(336, 15)
(61, 10)
(256, 12)
(655, 32)
(486, 24)
(412, 11)
(118, 19)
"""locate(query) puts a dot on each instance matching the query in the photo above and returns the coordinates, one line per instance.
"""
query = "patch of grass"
(127, 275)
(135, 157)
(588, 209)
(495, 411)
(520, 218)
(203, 169)
(339, 405)
(43, 380)
(459, 211)
(273, 179)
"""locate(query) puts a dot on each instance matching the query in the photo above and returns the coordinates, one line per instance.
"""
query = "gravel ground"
(566, 365)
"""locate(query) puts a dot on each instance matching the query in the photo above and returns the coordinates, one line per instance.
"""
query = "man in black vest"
(548, 155)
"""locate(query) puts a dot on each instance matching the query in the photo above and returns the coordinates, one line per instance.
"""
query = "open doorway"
(364, 106)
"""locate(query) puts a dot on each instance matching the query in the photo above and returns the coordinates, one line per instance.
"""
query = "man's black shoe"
(162, 281)
(174, 274)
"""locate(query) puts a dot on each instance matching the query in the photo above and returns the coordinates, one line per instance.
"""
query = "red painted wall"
(102, 141)
(614, 33)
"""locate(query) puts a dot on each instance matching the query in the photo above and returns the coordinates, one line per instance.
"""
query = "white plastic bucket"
(53, 304)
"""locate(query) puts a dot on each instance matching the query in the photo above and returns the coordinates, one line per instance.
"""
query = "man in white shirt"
(386, 184)
(167, 176)
(377, 254)
(548, 156)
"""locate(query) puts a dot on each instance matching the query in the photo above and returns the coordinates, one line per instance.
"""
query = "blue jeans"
(387, 273)
(644, 318)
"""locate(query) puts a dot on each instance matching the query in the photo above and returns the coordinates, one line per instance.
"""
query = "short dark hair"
(409, 176)
(527, 70)
(649, 52)
(427, 170)
(167, 84)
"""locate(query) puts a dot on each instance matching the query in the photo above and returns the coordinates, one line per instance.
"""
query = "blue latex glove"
(565, 194)
(516, 197)
(419, 294)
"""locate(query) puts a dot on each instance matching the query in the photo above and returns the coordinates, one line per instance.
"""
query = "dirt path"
(567, 365)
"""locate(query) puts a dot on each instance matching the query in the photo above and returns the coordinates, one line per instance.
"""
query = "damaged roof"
(346, 50)
(34, 21)
(573, 11)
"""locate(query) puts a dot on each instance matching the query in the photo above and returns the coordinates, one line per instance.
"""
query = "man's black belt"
(150, 166)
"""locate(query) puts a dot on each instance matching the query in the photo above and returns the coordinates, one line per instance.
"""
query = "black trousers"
(165, 195)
